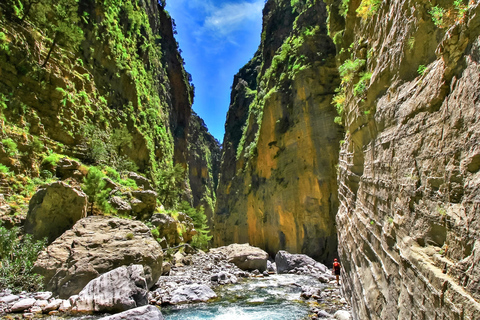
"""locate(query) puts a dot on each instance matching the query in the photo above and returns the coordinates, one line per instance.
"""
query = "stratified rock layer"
(278, 187)
(409, 177)
(96, 245)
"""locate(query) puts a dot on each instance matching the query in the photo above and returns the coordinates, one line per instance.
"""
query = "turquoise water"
(271, 298)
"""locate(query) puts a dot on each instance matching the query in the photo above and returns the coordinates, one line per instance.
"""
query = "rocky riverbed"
(190, 278)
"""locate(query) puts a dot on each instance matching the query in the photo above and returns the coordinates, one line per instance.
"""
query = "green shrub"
(368, 8)
(112, 173)
(128, 183)
(94, 188)
(362, 84)
(437, 14)
(169, 185)
(421, 69)
(4, 169)
(37, 144)
(52, 159)
(10, 147)
(17, 258)
(202, 238)
(155, 233)
(343, 8)
(349, 68)
(46, 174)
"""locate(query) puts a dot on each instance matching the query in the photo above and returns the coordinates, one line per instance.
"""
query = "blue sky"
(216, 38)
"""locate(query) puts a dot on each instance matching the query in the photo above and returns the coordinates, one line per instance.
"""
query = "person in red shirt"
(336, 269)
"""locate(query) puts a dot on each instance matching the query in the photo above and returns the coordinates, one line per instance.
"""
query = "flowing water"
(276, 297)
(272, 298)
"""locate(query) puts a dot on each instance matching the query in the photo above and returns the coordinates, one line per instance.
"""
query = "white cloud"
(232, 16)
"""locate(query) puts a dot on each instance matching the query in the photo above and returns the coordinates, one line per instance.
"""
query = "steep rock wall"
(125, 74)
(277, 188)
(113, 92)
(409, 168)
(204, 163)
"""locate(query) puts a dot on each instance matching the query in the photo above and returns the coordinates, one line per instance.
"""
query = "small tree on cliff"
(60, 19)
(94, 188)
(203, 237)
(169, 184)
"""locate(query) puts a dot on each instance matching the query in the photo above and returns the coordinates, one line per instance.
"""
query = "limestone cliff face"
(204, 162)
(409, 175)
(117, 95)
(277, 188)
(125, 74)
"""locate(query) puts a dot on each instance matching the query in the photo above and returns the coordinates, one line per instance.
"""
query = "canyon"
(352, 133)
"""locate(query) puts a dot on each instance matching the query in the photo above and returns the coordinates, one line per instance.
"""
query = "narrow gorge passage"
(350, 131)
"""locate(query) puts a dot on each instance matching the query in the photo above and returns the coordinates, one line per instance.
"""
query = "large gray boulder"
(96, 245)
(192, 293)
(140, 313)
(121, 289)
(287, 262)
(244, 256)
(54, 209)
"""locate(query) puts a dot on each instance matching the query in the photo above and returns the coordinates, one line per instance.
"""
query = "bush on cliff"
(202, 238)
(94, 188)
(17, 257)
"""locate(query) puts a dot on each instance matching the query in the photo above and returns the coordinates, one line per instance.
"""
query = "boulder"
(65, 306)
(287, 262)
(96, 245)
(167, 227)
(244, 256)
(22, 305)
(144, 203)
(121, 289)
(140, 313)
(43, 295)
(9, 298)
(110, 184)
(54, 209)
(192, 293)
(342, 315)
(68, 168)
(141, 182)
(122, 206)
(53, 305)
(189, 227)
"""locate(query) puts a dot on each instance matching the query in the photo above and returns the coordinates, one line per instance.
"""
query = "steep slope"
(409, 168)
(277, 187)
(99, 81)
(204, 162)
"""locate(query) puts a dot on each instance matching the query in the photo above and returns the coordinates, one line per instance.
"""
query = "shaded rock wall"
(126, 76)
(277, 188)
(408, 173)
(204, 162)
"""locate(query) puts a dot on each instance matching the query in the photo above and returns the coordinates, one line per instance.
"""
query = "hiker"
(336, 269)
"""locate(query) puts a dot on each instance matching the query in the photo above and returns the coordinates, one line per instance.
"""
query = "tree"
(169, 185)
(94, 188)
(61, 20)
(202, 238)
(27, 6)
